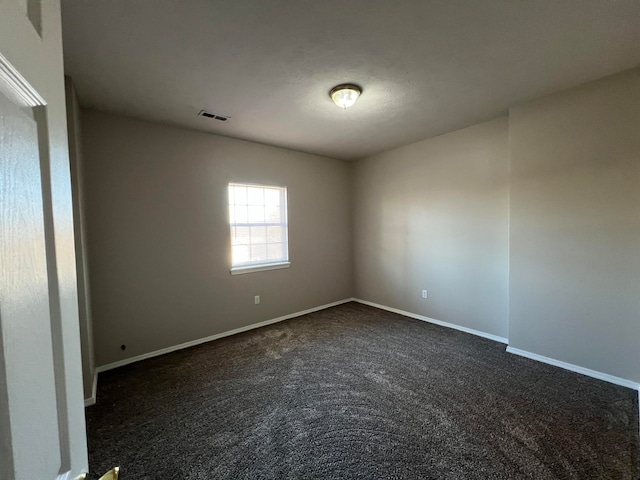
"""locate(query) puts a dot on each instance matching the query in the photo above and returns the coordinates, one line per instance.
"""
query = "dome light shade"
(345, 95)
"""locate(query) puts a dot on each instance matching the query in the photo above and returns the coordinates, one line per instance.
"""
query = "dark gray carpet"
(353, 392)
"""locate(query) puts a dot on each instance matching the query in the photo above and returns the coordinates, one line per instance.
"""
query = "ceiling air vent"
(222, 118)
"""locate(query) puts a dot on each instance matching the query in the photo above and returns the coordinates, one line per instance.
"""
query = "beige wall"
(158, 234)
(575, 226)
(433, 215)
(80, 235)
(525, 227)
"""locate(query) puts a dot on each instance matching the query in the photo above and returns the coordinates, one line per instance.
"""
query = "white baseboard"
(210, 338)
(92, 399)
(567, 366)
(433, 320)
(575, 368)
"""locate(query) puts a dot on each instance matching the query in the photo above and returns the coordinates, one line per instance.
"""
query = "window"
(258, 221)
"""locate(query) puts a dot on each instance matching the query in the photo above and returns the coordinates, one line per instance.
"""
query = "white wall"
(37, 55)
(158, 234)
(433, 215)
(575, 226)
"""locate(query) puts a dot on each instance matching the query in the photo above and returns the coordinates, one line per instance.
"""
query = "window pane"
(258, 252)
(256, 214)
(272, 214)
(255, 195)
(257, 218)
(272, 197)
(241, 236)
(274, 234)
(274, 251)
(240, 254)
(241, 214)
(240, 195)
(258, 234)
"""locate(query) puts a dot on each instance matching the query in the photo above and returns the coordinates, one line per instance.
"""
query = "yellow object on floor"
(112, 474)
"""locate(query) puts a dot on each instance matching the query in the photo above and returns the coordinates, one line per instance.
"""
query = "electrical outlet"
(256, 299)
(425, 294)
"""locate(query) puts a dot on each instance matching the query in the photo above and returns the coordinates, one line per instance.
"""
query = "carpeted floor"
(353, 392)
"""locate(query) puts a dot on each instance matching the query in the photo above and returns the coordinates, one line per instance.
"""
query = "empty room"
(335, 240)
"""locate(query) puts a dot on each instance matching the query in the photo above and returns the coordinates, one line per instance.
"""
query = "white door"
(35, 431)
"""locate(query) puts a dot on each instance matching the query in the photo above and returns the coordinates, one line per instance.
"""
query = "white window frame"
(258, 266)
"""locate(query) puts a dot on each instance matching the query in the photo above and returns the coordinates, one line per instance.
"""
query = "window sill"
(259, 268)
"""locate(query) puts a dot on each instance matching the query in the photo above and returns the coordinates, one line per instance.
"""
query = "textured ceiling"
(426, 67)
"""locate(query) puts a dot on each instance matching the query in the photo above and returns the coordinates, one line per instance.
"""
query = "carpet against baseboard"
(354, 392)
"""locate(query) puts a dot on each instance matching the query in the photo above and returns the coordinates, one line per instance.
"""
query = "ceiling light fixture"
(345, 95)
